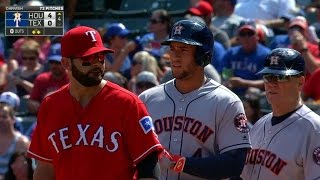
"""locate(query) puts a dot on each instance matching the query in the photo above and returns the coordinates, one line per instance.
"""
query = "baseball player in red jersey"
(91, 128)
(285, 142)
(200, 122)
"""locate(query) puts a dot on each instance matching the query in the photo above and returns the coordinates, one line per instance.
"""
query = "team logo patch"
(146, 124)
(316, 155)
(274, 60)
(240, 122)
(177, 29)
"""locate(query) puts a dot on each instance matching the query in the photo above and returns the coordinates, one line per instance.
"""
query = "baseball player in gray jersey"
(200, 122)
(285, 142)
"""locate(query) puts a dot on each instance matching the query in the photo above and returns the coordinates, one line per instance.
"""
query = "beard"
(88, 79)
(180, 75)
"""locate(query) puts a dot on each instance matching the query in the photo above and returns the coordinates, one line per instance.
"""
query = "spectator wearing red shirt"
(297, 38)
(48, 82)
(311, 88)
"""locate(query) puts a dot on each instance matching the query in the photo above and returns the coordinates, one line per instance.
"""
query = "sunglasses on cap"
(273, 78)
(246, 33)
(87, 60)
(154, 21)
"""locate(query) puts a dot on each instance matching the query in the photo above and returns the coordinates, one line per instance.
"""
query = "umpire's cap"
(283, 61)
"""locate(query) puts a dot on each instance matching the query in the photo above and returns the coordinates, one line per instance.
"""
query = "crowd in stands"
(244, 31)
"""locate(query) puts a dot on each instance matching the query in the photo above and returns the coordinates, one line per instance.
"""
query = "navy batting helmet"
(283, 61)
(196, 34)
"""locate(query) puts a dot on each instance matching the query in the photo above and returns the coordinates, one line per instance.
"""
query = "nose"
(97, 62)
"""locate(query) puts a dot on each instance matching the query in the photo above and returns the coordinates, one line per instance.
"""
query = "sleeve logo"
(146, 124)
(316, 155)
(240, 122)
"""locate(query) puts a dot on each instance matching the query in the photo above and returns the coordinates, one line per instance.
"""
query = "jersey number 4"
(198, 153)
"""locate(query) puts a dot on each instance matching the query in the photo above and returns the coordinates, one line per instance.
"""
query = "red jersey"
(312, 86)
(103, 140)
(45, 84)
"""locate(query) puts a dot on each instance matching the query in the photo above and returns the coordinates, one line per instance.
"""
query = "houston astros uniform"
(100, 141)
(285, 142)
(201, 123)
(288, 150)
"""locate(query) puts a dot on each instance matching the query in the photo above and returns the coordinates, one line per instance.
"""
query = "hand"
(297, 40)
(130, 46)
(172, 161)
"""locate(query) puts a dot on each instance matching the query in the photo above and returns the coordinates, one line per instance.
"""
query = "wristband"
(180, 162)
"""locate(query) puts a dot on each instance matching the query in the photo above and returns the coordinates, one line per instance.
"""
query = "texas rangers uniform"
(288, 150)
(100, 141)
(201, 123)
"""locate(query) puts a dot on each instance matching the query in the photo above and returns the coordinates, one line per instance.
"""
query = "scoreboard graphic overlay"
(34, 21)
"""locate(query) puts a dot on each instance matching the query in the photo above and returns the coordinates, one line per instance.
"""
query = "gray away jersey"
(286, 151)
(202, 123)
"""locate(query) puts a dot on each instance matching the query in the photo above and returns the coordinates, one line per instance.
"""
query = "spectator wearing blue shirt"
(159, 27)
(217, 59)
(244, 61)
(280, 41)
(117, 38)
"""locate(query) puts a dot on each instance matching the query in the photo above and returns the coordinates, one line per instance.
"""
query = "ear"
(66, 63)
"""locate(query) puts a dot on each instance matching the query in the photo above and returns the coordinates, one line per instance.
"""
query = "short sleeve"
(233, 130)
(312, 157)
(140, 136)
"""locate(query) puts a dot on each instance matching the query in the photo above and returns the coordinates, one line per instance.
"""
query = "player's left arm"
(233, 141)
(225, 165)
